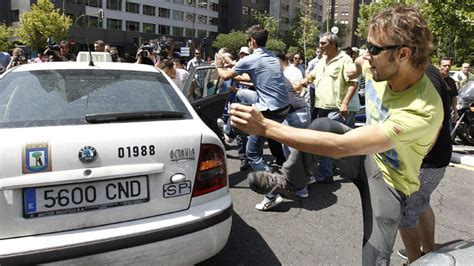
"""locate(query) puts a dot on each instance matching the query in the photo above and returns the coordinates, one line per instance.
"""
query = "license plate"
(81, 197)
(176, 189)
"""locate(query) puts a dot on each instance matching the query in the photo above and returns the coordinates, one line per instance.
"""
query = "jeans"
(299, 118)
(255, 143)
(326, 164)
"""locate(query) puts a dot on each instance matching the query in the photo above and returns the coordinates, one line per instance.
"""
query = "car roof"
(85, 65)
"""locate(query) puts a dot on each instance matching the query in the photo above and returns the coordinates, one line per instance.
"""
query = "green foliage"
(305, 30)
(268, 22)
(41, 22)
(274, 44)
(5, 35)
(450, 23)
(233, 41)
(294, 50)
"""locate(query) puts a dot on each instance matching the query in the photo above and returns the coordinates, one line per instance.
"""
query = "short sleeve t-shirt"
(411, 119)
(331, 82)
(266, 74)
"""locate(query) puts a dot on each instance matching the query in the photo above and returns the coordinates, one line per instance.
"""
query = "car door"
(208, 94)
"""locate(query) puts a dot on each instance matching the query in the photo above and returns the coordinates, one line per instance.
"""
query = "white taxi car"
(107, 164)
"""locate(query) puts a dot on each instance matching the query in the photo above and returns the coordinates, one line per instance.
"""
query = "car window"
(206, 82)
(65, 97)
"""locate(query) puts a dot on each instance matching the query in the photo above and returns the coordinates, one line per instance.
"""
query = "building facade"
(284, 11)
(128, 23)
(344, 12)
(237, 15)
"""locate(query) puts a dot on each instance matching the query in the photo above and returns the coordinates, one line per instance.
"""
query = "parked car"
(458, 253)
(208, 94)
(107, 164)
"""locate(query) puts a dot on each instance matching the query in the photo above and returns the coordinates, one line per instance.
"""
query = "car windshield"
(67, 97)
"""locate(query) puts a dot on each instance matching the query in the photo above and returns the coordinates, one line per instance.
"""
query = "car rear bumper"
(204, 229)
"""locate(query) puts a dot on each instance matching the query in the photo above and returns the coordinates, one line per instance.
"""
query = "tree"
(233, 40)
(41, 22)
(306, 32)
(274, 44)
(5, 35)
(268, 22)
(449, 21)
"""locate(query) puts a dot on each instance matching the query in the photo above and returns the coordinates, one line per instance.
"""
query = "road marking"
(462, 166)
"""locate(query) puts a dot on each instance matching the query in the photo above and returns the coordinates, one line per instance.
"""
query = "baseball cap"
(244, 50)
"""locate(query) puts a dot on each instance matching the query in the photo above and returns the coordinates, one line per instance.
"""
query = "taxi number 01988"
(136, 151)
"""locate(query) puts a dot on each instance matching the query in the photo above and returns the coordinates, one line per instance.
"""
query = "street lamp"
(304, 32)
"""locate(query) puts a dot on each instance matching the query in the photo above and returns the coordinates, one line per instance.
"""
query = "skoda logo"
(87, 154)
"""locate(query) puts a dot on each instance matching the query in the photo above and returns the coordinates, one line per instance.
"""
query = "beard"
(385, 71)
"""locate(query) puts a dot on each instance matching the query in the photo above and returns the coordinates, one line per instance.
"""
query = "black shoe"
(244, 165)
(325, 180)
(264, 182)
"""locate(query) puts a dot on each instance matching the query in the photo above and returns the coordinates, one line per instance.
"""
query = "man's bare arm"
(360, 141)
(344, 110)
(356, 71)
(226, 73)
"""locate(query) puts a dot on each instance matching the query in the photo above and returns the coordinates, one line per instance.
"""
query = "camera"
(19, 57)
(144, 50)
(52, 50)
(51, 46)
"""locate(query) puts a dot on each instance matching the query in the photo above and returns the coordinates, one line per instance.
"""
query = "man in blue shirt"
(271, 92)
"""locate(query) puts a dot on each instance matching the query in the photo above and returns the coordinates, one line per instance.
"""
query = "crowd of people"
(396, 160)
(307, 116)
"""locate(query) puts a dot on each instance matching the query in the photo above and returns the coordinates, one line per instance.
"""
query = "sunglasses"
(197, 53)
(375, 50)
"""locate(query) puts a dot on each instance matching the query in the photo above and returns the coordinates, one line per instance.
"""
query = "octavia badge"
(87, 154)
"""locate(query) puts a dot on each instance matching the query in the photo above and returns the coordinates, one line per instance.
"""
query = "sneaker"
(268, 204)
(276, 162)
(224, 128)
(402, 253)
(311, 180)
(302, 193)
(220, 124)
(244, 165)
(264, 182)
(227, 138)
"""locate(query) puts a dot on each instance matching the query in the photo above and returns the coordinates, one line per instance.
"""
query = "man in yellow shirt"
(383, 158)
(334, 92)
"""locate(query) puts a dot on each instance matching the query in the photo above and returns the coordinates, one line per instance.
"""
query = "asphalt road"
(326, 228)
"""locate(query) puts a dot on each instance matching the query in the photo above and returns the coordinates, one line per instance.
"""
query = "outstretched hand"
(248, 119)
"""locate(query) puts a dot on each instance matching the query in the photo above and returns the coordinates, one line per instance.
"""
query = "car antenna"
(91, 62)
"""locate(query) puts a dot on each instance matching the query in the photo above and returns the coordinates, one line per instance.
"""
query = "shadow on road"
(243, 242)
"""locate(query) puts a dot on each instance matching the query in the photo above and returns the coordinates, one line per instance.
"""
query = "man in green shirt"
(334, 92)
(383, 158)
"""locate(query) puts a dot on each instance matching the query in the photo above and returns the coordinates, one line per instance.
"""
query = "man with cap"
(244, 50)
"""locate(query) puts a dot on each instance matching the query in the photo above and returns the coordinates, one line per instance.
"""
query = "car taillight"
(212, 173)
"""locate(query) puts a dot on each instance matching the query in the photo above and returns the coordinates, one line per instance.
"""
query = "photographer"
(145, 55)
(65, 53)
(58, 53)
(164, 50)
(18, 58)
